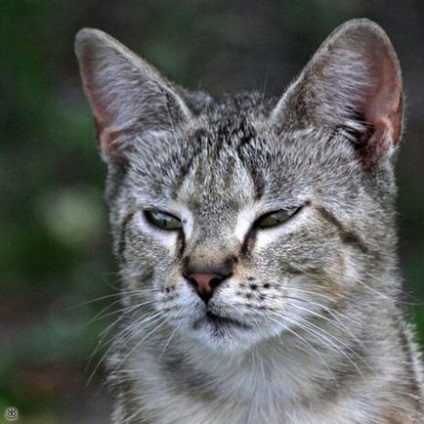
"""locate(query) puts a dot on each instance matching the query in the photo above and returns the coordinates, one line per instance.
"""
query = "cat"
(256, 241)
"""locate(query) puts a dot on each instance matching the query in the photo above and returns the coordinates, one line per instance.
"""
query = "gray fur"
(316, 333)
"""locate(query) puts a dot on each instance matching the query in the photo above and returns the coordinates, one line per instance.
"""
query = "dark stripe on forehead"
(347, 236)
(258, 182)
(184, 170)
(248, 158)
(197, 144)
(248, 134)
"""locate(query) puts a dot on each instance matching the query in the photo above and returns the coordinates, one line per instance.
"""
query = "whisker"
(167, 343)
(314, 293)
(120, 294)
(303, 340)
(323, 335)
(121, 335)
(417, 302)
(340, 324)
(162, 323)
(125, 309)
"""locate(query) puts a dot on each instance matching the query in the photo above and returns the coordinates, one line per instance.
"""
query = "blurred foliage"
(54, 246)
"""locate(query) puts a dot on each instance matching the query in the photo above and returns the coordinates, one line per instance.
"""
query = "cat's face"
(280, 220)
(240, 220)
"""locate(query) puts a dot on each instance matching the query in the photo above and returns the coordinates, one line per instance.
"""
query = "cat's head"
(241, 219)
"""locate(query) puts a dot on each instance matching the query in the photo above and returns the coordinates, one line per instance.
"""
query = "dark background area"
(56, 271)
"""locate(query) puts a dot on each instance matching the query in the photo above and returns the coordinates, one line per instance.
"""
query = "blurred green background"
(55, 261)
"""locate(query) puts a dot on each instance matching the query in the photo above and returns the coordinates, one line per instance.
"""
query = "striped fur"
(306, 327)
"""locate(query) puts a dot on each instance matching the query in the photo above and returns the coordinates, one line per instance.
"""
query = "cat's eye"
(162, 220)
(275, 218)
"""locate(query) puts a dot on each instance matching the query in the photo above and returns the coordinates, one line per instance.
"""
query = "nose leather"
(205, 283)
(205, 279)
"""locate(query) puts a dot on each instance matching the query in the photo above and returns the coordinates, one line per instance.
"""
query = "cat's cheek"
(182, 306)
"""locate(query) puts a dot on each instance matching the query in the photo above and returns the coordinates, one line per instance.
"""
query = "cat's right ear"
(125, 93)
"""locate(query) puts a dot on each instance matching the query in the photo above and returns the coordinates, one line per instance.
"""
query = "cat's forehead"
(218, 177)
(232, 159)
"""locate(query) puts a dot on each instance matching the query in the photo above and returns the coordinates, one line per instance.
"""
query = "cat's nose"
(206, 282)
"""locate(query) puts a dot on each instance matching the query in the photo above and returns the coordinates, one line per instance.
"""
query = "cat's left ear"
(126, 94)
(352, 84)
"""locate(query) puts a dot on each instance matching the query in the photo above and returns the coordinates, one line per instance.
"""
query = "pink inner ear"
(106, 133)
(106, 137)
(384, 108)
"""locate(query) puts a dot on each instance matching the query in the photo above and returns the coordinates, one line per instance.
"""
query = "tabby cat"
(256, 240)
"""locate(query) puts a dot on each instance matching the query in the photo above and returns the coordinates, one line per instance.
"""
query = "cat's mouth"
(218, 322)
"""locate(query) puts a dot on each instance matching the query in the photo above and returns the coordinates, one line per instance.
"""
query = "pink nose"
(205, 279)
(205, 283)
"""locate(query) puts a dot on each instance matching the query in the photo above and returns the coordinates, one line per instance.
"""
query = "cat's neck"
(281, 377)
(290, 366)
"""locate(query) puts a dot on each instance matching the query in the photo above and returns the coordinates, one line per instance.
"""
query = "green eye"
(162, 220)
(272, 219)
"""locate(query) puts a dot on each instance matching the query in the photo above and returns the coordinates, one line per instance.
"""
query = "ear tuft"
(125, 93)
(352, 84)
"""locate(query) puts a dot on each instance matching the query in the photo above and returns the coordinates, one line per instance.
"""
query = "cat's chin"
(224, 335)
